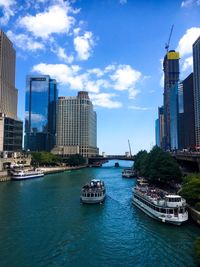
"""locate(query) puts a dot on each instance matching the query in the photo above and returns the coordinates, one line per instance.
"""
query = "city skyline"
(113, 50)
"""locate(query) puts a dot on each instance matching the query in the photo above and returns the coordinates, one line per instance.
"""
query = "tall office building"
(196, 77)
(40, 113)
(161, 126)
(11, 129)
(8, 92)
(171, 77)
(157, 132)
(11, 132)
(76, 126)
(188, 115)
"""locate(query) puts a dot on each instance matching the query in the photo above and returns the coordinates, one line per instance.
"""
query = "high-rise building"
(10, 134)
(196, 77)
(40, 113)
(76, 126)
(157, 132)
(174, 117)
(171, 77)
(188, 115)
(11, 129)
(161, 126)
(8, 92)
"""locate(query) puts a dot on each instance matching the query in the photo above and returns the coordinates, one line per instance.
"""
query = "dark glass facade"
(188, 117)
(12, 134)
(157, 132)
(40, 113)
(196, 80)
(171, 77)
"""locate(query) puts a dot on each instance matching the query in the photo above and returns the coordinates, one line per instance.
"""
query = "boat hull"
(27, 177)
(158, 217)
(92, 200)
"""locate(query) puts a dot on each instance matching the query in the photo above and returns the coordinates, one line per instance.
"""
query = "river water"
(42, 223)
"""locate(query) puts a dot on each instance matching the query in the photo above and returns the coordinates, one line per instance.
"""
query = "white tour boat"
(160, 205)
(26, 174)
(128, 173)
(93, 192)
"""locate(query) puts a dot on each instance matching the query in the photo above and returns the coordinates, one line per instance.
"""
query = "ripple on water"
(43, 224)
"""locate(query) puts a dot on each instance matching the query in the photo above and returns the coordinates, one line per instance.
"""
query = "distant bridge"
(110, 157)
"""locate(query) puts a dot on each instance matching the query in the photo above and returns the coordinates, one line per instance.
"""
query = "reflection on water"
(43, 224)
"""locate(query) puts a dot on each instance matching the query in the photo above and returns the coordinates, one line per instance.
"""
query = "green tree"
(162, 167)
(197, 250)
(191, 190)
(140, 162)
(76, 160)
(45, 158)
(157, 166)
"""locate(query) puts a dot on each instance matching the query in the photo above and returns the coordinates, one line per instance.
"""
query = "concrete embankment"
(195, 215)
(49, 170)
(4, 176)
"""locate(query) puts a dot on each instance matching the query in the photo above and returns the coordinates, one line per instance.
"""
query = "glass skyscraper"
(40, 113)
(171, 77)
(188, 118)
(196, 73)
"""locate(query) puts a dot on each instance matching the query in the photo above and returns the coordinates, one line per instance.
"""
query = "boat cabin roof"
(95, 180)
(173, 196)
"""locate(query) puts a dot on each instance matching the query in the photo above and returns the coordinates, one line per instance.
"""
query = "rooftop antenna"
(170, 35)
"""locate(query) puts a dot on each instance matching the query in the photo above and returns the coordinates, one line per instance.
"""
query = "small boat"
(93, 192)
(128, 173)
(26, 174)
(116, 164)
(160, 205)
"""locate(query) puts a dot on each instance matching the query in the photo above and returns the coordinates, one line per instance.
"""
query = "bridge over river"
(102, 159)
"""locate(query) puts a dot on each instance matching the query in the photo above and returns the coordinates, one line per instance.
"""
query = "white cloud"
(187, 40)
(122, 2)
(189, 3)
(104, 100)
(63, 56)
(25, 42)
(139, 108)
(62, 73)
(162, 80)
(96, 71)
(8, 10)
(83, 45)
(187, 64)
(126, 78)
(55, 19)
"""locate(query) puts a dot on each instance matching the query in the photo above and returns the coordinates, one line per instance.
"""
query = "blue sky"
(111, 48)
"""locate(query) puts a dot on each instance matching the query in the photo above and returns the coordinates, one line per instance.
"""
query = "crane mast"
(129, 148)
(170, 35)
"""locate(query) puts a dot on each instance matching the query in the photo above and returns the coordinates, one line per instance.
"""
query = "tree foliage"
(45, 158)
(157, 166)
(76, 160)
(191, 190)
(197, 250)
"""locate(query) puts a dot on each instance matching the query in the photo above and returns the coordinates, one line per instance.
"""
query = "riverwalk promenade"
(4, 176)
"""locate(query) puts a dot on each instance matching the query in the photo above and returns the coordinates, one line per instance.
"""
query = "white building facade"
(76, 126)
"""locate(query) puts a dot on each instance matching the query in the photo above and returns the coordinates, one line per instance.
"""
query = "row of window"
(92, 194)
(158, 209)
